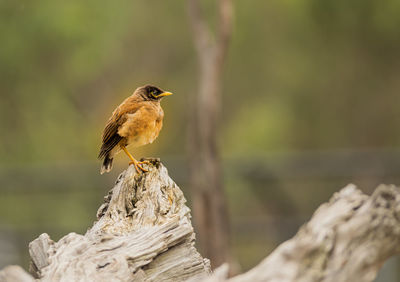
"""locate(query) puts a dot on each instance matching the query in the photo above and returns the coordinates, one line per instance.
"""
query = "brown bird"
(136, 122)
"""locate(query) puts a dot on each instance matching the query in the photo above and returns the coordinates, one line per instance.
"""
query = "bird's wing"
(110, 134)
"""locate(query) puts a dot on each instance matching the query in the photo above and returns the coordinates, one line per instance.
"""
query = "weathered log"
(143, 232)
(347, 239)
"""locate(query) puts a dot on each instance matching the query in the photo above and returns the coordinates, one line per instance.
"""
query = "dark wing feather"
(111, 138)
(110, 129)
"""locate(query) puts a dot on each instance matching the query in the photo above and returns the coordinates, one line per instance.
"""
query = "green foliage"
(315, 72)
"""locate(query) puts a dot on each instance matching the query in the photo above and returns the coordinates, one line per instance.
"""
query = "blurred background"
(311, 95)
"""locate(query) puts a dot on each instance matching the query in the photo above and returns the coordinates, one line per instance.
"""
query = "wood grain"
(143, 232)
(347, 239)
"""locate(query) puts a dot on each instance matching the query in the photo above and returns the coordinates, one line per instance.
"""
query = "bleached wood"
(143, 233)
(347, 239)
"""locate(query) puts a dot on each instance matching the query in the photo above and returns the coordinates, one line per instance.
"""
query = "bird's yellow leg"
(137, 164)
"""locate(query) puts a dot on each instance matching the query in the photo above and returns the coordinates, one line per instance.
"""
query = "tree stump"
(144, 233)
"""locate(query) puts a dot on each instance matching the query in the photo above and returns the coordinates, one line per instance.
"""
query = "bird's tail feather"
(107, 164)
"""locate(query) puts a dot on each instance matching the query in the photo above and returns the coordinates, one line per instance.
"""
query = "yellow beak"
(164, 94)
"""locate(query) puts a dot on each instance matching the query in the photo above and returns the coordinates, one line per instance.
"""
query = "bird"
(137, 121)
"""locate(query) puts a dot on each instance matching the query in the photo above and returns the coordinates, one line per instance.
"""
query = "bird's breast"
(144, 133)
(143, 126)
(147, 135)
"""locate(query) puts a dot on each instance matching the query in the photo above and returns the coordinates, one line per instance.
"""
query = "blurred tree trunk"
(209, 203)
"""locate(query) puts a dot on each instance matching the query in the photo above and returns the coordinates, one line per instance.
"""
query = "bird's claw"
(138, 166)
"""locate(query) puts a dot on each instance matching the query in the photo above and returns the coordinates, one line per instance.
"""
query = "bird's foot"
(142, 163)
(138, 166)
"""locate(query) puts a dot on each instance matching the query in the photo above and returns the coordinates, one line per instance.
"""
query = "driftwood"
(347, 239)
(144, 233)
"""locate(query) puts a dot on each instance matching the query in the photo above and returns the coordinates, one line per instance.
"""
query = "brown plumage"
(136, 122)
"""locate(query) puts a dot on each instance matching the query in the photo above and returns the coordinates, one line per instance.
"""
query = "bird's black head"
(149, 92)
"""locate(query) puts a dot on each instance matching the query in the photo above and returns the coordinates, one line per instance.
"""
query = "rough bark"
(143, 233)
(209, 204)
(347, 239)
